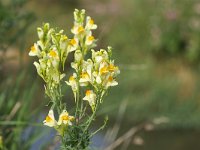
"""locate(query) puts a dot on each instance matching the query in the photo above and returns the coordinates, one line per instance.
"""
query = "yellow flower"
(77, 29)
(89, 40)
(65, 119)
(99, 56)
(90, 96)
(71, 79)
(111, 82)
(72, 82)
(80, 29)
(104, 70)
(50, 119)
(85, 78)
(90, 25)
(113, 68)
(53, 54)
(34, 50)
(73, 44)
(91, 22)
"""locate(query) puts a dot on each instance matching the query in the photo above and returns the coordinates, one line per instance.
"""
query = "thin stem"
(60, 96)
(77, 106)
(84, 110)
(94, 113)
(101, 128)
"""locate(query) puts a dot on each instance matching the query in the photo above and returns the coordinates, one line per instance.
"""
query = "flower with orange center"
(90, 96)
(113, 68)
(65, 119)
(90, 25)
(34, 50)
(77, 29)
(88, 92)
(85, 78)
(72, 42)
(110, 78)
(89, 40)
(50, 120)
(111, 82)
(84, 75)
(53, 54)
(72, 82)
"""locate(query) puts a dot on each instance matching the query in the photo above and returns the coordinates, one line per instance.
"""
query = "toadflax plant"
(94, 73)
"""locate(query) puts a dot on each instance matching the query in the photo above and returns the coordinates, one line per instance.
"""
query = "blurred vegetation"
(176, 29)
(158, 50)
(17, 90)
(14, 21)
(16, 100)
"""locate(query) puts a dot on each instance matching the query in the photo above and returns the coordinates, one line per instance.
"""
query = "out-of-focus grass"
(16, 114)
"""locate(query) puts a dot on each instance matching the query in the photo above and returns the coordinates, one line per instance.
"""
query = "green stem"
(94, 113)
(101, 128)
(77, 105)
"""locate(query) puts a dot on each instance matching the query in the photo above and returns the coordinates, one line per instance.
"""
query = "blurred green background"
(157, 47)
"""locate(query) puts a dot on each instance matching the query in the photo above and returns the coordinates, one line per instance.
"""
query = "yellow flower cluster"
(51, 49)
(64, 120)
(100, 71)
(82, 31)
(94, 75)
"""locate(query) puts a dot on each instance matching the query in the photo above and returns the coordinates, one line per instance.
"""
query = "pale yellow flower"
(63, 42)
(72, 82)
(103, 68)
(111, 82)
(65, 119)
(73, 44)
(85, 78)
(50, 119)
(77, 29)
(78, 57)
(89, 39)
(53, 54)
(113, 69)
(34, 50)
(88, 67)
(90, 23)
(90, 96)
(99, 56)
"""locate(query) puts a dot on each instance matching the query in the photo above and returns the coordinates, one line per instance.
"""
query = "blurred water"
(169, 140)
